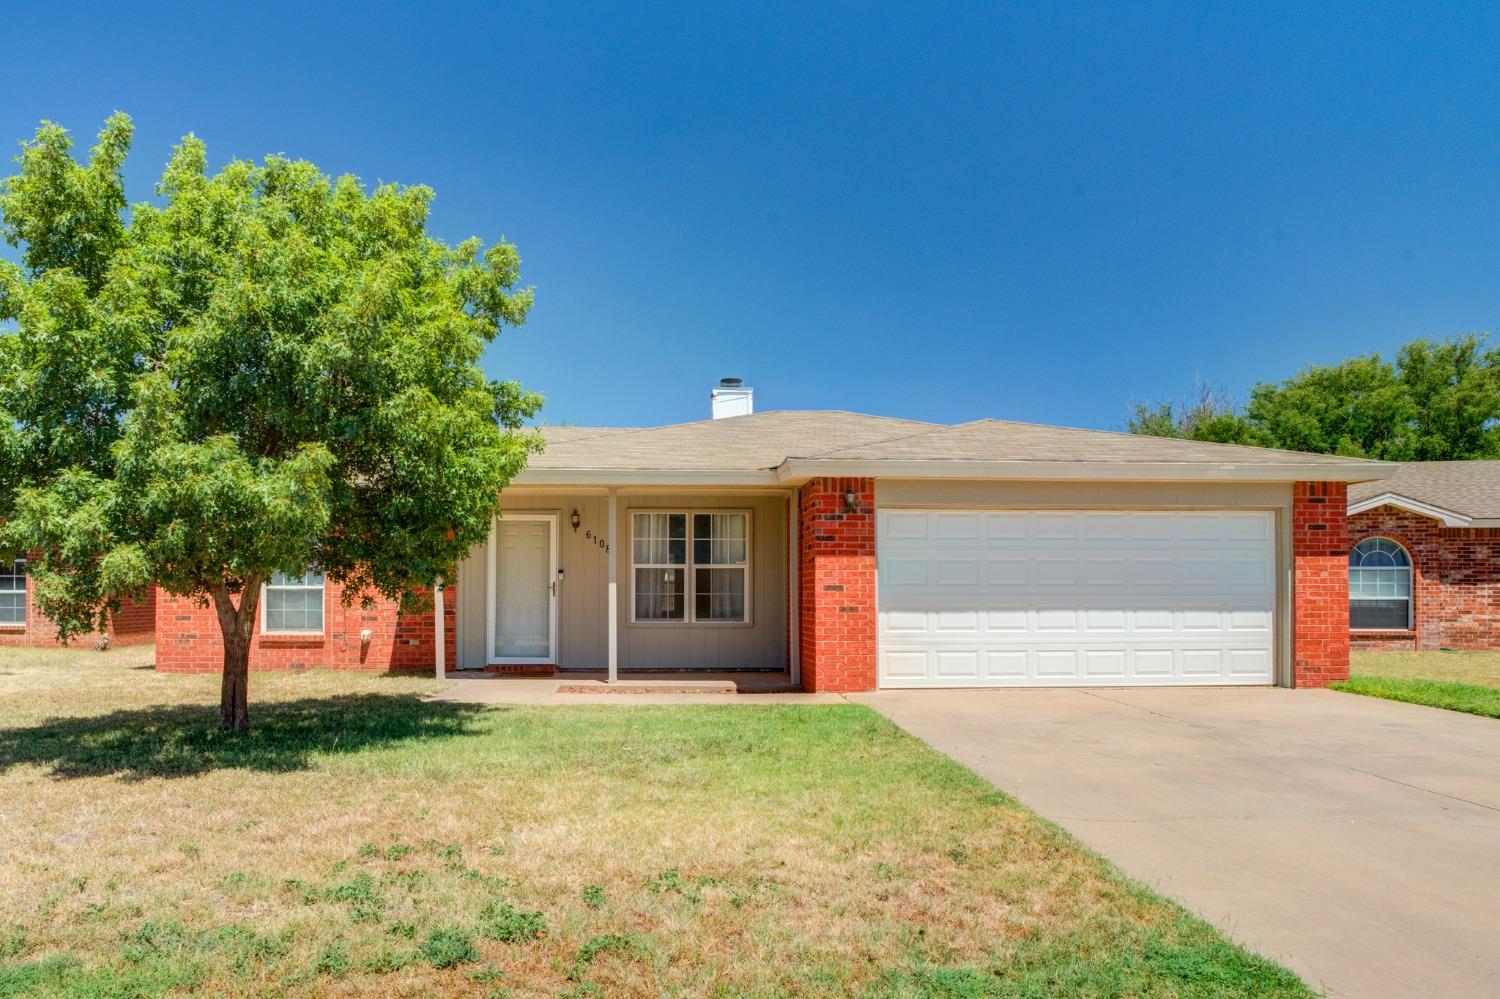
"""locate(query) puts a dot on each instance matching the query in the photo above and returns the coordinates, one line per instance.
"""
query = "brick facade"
(836, 583)
(1455, 582)
(133, 624)
(1320, 583)
(188, 639)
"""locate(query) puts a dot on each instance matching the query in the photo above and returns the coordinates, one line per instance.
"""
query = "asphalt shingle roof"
(765, 440)
(1470, 488)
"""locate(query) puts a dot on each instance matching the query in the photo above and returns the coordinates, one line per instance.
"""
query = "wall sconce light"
(575, 520)
(849, 501)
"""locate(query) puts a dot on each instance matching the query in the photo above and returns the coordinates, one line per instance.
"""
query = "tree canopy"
(263, 370)
(1439, 400)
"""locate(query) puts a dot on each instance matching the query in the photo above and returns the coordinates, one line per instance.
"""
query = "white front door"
(1054, 598)
(522, 605)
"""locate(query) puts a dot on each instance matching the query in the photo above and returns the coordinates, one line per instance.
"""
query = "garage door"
(1065, 598)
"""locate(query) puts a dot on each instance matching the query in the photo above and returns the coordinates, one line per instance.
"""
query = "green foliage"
(1439, 401)
(265, 370)
(499, 921)
(445, 948)
(1452, 696)
(334, 960)
(593, 896)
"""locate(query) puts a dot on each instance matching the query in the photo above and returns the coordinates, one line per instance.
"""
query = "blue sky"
(932, 211)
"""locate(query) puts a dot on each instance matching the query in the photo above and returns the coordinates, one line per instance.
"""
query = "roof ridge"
(751, 416)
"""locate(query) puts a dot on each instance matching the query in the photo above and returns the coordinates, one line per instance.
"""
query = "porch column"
(440, 659)
(794, 593)
(614, 600)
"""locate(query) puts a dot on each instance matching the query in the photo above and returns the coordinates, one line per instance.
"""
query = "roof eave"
(800, 469)
(647, 477)
(1449, 518)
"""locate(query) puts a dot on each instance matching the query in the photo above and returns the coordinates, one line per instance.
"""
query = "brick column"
(836, 577)
(1320, 583)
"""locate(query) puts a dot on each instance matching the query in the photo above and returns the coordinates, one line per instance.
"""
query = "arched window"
(1379, 586)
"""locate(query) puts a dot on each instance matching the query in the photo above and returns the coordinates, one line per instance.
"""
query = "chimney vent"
(732, 397)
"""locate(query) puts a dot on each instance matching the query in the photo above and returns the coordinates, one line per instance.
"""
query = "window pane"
(719, 538)
(660, 594)
(296, 606)
(719, 594)
(1386, 614)
(660, 539)
(13, 593)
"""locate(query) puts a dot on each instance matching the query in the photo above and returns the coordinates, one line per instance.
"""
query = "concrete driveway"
(1355, 840)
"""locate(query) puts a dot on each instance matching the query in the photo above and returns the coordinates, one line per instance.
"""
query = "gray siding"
(583, 623)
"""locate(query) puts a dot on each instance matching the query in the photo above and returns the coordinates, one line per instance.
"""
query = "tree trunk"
(235, 626)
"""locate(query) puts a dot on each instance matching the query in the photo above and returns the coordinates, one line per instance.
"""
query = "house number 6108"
(590, 536)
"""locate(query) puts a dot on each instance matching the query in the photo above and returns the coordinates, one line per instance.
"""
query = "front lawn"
(1457, 681)
(363, 841)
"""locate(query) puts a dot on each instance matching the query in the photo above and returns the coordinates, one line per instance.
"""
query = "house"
(856, 552)
(1424, 558)
(23, 623)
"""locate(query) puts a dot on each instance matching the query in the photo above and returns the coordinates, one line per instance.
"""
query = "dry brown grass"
(740, 851)
(1482, 668)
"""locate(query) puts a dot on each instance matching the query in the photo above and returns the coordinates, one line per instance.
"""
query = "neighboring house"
(23, 623)
(1424, 558)
(857, 552)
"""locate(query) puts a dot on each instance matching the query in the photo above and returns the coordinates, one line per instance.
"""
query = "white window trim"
(21, 624)
(266, 629)
(690, 589)
(1411, 586)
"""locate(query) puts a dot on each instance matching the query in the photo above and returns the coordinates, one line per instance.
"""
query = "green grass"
(364, 841)
(1467, 697)
(1454, 681)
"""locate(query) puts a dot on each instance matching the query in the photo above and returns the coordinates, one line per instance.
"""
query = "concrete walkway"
(1355, 840)
(655, 688)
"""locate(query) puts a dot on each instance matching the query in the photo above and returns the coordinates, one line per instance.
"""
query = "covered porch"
(613, 584)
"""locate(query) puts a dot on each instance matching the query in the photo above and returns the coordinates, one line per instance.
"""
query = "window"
(691, 567)
(1379, 586)
(294, 604)
(13, 593)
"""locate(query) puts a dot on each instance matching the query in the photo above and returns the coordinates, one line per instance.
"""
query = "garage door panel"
(1007, 620)
(1005, 665)
(1017, 598)
(1104, 663)
(1057, 663)
(952, 571)
(1153, 663)
(956, 622)
(954, 663)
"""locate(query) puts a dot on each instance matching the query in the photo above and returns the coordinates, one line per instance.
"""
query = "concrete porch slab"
(633, 688)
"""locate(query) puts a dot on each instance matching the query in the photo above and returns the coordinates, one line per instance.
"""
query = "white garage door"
(1074, 598)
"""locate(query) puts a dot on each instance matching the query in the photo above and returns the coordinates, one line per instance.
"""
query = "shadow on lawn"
(182, 740)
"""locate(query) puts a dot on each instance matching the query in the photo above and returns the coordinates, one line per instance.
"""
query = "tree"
(267, 370)
(1205, 414)
(1438, 401)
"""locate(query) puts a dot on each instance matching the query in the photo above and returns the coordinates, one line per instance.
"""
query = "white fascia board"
(1448, 517)
(646, 477)
(802, 469)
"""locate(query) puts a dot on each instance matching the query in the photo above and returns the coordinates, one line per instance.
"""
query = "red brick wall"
(134, 624)
(1455, 581)
(1320, 583)
(836, 584)
(188, 639)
